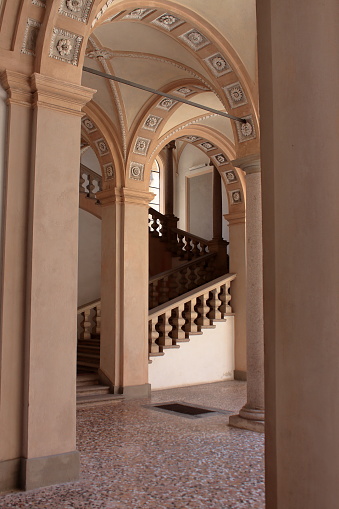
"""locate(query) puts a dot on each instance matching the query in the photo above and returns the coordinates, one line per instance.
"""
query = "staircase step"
(87, 378)
(105, 399)
(91, 355)
(92, 390)
(88, 364)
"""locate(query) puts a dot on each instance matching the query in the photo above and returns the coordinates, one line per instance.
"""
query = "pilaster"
(41, 261)
(124, 287)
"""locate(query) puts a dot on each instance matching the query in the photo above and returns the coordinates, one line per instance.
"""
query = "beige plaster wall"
(200, 207)
(89, 159)
(206, 358)
(89, 267)
(3, 110)
(190, 157)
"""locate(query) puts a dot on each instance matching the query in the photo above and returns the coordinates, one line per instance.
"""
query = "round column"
(169, 192)
(251, 416)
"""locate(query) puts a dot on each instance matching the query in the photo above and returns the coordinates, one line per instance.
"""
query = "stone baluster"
(81, 183)
(153, 295)
(153, 335)
(183, 279)
(190, 316)
(214, 303)
(177, 320)
(163, 290)
(203, 310)
(86, 324)
(191, 278)
(97, 319)
(195, 250)
(165, 328)
(180, 245)
(173, 286)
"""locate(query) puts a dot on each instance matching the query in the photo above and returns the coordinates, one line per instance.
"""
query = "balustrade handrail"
(94, 174)
(88, 306)
(169, 272)
(191, 235)
(162, 308)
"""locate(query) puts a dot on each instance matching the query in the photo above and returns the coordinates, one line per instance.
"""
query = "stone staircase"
(91, 393)
(183, 300)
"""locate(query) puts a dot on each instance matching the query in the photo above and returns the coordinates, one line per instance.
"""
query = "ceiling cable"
(163, 94)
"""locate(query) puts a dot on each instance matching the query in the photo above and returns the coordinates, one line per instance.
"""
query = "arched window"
(154, 185)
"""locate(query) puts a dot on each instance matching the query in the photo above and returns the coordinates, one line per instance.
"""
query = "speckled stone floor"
(133, 456)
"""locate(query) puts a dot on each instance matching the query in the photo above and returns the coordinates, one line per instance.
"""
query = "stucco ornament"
(236, 94)
(135, 171)
(167, 19)
(141, 145)
(184, 90)
(195, 37)
(64, 47)
(74, 5)
(151, 122)
(246, 129)
(219, 63)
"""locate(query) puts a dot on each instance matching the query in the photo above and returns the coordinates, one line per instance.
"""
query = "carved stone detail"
(220, 159)
(136, 171)
(246, 131)
(236, 196)
(141, 146)
(100, 53)
(185, 91)
(30, 37)
(235, 95)
(207, 146)
(39, 3)
(231, 177)
(138, 13)
(76, 9)
(166, 104)
(191, 138)
(89, 125)
(218, 64)
(102, 147)
(109, 171)
(194, 39)
(168, 21)
(102, 11)
(65, 46)
(152, 123)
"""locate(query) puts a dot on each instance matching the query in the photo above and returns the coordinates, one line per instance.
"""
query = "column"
(237, 265)
(217, 205)
(44, 245)
(169, 191)
(217, 244)
(298, 73)
(124, 291)
(251, 416)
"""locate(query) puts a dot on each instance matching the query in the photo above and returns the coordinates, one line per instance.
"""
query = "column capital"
(249, 164)
(125, 195)
(17, 86)
(170, 145)
(235, 218)
(60, 95)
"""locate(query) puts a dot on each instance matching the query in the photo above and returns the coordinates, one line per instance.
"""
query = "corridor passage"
(136, 457)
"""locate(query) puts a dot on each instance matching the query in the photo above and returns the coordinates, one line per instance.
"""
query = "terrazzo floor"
(133, 456)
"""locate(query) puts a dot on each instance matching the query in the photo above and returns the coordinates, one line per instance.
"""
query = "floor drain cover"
(184, 409)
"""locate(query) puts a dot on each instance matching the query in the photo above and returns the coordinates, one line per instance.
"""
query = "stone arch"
(221, 152)
(102, 138)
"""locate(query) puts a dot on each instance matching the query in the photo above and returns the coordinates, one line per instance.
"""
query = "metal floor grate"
(179, 408)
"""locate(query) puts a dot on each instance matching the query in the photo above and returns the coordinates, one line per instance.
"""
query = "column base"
(236, 421)
(10, 474)
(134, 391)
(48, 470)
(240, 375)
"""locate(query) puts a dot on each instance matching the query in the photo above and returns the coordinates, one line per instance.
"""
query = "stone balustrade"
(173, 322)
(90, 321)
(90, 183)
(174, 282)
